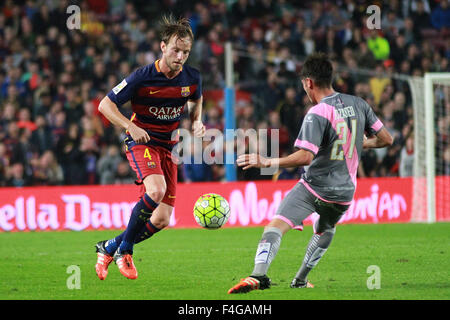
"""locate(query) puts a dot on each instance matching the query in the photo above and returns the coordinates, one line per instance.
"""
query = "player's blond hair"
(170, 27)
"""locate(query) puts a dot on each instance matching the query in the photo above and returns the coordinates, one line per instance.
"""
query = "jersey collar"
(330, 96)
(157, 66)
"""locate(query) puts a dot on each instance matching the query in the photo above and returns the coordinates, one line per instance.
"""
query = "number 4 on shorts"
(147, 154)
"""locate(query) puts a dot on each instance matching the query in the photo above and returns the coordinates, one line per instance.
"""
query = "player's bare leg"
(267, 249)
(161, 216)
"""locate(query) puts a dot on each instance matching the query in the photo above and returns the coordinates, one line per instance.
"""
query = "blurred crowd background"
(52, 78)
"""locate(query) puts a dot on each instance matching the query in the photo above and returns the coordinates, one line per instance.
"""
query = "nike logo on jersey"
(153, 92)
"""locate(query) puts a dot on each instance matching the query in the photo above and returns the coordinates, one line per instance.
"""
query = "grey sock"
(267, 249)
(317, 247)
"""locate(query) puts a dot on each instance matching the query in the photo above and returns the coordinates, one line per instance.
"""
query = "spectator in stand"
(41, 137)
(274, 123)
(440, 16)
(213, 118)
(399, 115)
(270, 93)
(16, 176)
(44, 105)
(291, 113)
(46, 170)
(392, 24)
(240, 10)
(124, 174)
(378, 45)
(90, 154)
(91, 121)
(421, 16)
(107, 165)
(378, 83)
(58, 127)
(24, 118)
(364, 57)
(309, 44)
(398, 50)
(330, 44)
(22, 150)
(406, 168)
(71, 157)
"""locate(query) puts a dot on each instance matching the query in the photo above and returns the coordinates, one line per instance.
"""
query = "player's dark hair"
(170, 27)
(319, 68)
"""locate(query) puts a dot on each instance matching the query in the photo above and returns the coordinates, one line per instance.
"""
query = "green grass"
(199, 264)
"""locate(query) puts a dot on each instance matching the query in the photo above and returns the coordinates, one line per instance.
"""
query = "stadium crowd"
(52, 78)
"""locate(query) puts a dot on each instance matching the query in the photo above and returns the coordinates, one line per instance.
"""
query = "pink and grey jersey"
(333, 130)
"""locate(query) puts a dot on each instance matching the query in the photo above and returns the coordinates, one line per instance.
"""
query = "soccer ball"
(211, 211)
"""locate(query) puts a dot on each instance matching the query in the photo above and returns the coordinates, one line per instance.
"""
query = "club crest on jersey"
(185, 91)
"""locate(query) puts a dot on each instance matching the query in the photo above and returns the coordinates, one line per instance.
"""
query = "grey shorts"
(300, 203)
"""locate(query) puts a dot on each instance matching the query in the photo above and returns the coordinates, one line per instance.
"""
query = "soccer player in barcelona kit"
(158, 93)
(330, 141)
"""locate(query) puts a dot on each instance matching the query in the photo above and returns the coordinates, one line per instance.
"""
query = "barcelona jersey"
(158, 102)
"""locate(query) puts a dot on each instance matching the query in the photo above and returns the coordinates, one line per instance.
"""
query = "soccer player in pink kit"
(158, 94)
(329, 143)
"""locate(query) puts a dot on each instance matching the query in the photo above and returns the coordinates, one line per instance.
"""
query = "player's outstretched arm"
(382, 139)
(111, 112)
(297, 159)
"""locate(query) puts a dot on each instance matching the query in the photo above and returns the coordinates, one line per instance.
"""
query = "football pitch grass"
(198, 264)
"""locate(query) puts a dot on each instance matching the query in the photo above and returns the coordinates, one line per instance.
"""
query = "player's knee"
(280, 225)
(156, 194)
(155, 187)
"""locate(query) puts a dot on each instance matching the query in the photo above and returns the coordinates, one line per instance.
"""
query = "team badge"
(185, 91)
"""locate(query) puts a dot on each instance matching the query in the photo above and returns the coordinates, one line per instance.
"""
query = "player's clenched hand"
(198, 129)
(252, 160)
(139, 135)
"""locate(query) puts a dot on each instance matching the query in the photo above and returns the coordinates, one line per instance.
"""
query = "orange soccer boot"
(124, 261)
(251, 283)
(103, 260)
